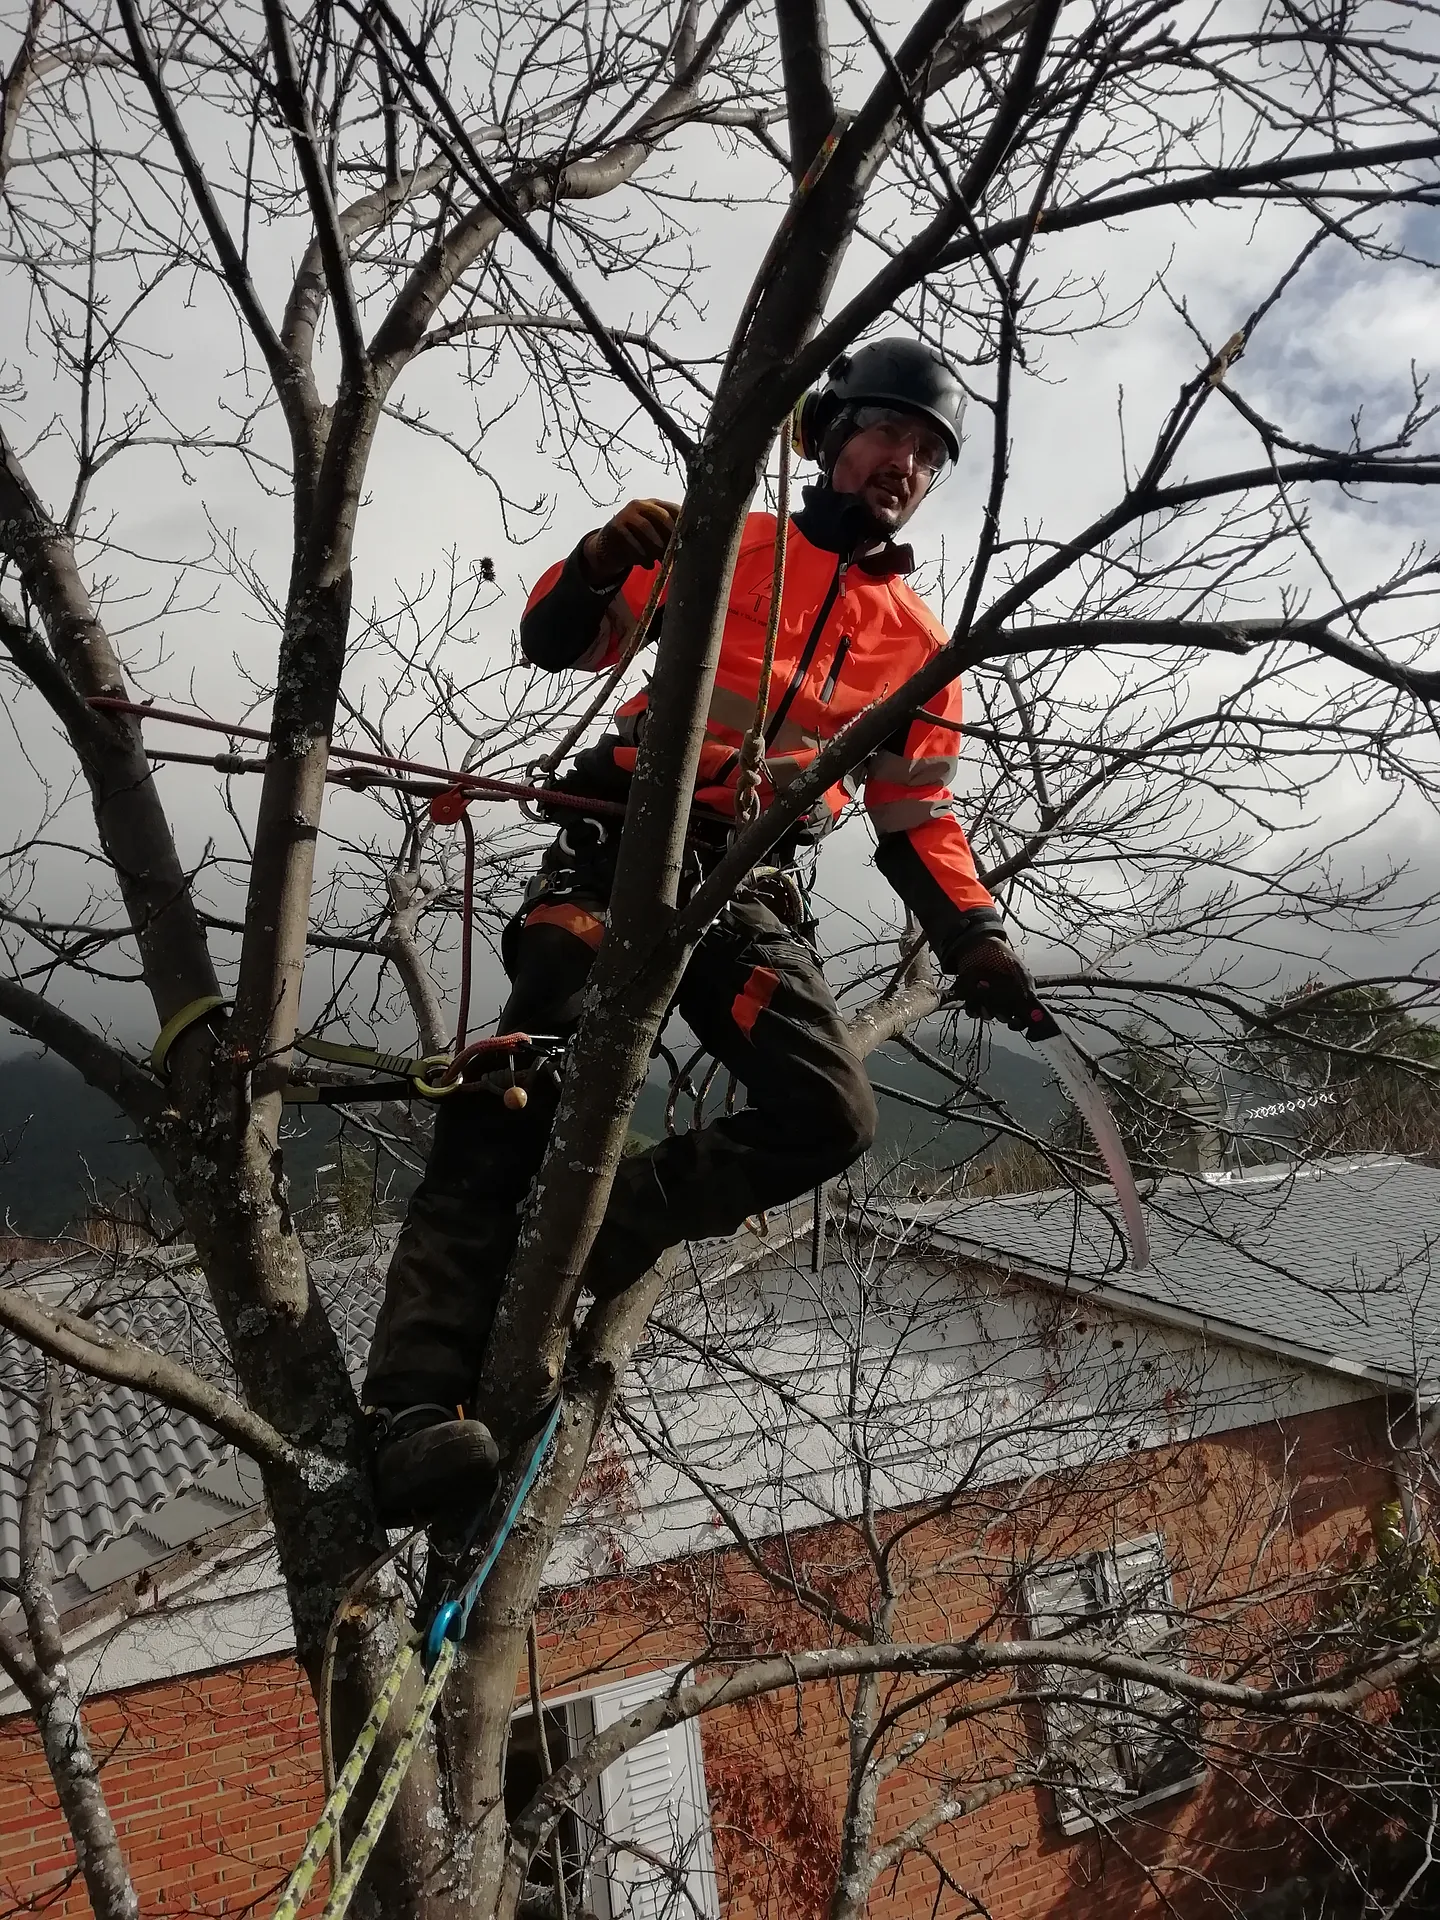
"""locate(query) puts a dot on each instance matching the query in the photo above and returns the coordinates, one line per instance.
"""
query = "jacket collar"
(841, 522)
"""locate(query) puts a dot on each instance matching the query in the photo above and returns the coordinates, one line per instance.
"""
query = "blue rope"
(453, 1616)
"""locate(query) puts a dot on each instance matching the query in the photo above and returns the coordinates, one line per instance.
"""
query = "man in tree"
(882, 430)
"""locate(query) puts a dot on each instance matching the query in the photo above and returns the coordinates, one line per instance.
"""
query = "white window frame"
(669, 1764)
(1111, 1794)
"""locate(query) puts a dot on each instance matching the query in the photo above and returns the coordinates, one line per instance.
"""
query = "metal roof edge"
(140, 1591)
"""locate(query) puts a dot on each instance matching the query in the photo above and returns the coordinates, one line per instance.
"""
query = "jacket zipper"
(832, 679)
(802, 665)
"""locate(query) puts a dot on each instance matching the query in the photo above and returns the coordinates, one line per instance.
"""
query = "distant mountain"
(1020, 1084)
(62, 1145)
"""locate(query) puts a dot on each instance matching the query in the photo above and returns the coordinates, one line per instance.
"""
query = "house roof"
(1338, 1264)
(1330, 1265)
(133, 1480)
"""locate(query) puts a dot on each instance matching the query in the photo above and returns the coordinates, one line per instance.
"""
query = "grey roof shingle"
(122, 1458)
(1339, 1261)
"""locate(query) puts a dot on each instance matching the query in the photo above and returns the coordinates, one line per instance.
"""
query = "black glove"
(636, 537)
(991, 983)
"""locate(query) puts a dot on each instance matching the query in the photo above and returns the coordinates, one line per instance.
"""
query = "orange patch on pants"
(561, 913)
(753, 998)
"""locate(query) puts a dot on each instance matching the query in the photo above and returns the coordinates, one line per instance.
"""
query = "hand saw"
(1043, 1033)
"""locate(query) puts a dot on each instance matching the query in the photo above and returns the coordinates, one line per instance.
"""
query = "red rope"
(481, 786)
(467, 933)
(506, 1044)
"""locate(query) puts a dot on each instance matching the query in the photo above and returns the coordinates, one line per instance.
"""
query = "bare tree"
(349, 195)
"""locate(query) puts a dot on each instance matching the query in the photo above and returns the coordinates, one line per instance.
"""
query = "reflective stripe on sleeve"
(899, 816)
(900, 770)
(572, 919)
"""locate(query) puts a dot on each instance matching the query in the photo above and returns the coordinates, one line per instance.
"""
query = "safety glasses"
(905, 432)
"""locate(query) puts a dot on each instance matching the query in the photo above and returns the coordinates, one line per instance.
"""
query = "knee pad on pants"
(845, 1125)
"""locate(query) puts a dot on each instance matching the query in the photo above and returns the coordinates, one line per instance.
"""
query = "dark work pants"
(754, 995)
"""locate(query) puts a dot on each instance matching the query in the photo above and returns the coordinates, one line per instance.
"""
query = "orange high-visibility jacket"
(849, 635)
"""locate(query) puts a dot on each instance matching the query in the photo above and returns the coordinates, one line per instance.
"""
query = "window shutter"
(1081, 1761)
(657, 1814)
(1153, 1738)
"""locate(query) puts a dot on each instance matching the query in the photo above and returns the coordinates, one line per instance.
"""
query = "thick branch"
(81, 662)
(963, 1660)
(133, 1090)
(1213, 184)
(237, 275)
(22, 74)
(329, 232)
(911, 994)
(45, 1680)
(805, 63)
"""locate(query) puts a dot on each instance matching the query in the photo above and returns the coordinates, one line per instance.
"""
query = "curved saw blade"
(1090, 1103)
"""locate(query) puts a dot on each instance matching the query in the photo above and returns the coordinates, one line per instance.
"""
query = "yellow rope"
(752, 751)
(179, 1023)
(328, 1824)
(370, 1828)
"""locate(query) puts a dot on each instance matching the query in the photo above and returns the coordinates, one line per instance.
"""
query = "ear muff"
(813, 419)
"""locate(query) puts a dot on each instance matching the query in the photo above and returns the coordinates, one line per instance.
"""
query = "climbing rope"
(752, 750)
(316, 1847)
(480, 786)
(439, 1645)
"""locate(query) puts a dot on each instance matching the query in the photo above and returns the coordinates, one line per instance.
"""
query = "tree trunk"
(45, 1680)
(56, 1707)
(134, 833)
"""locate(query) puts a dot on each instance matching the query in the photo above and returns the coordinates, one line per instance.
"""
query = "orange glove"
(636, 537)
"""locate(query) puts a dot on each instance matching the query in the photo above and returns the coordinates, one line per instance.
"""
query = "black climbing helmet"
(899, 373)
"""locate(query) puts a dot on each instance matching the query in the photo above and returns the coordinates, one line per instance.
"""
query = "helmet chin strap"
(845, 522)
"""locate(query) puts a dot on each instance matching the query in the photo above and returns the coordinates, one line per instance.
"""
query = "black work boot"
(430, 1464)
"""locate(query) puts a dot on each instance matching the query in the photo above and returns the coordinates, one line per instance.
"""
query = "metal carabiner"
(435, 1089)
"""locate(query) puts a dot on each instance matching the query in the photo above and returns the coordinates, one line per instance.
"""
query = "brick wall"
(212, 1779)
(212, 1782)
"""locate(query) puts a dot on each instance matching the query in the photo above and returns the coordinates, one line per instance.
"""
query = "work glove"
(990, 981)
(636, 537)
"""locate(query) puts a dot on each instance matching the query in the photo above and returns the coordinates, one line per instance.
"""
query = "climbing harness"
(438, 1645)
